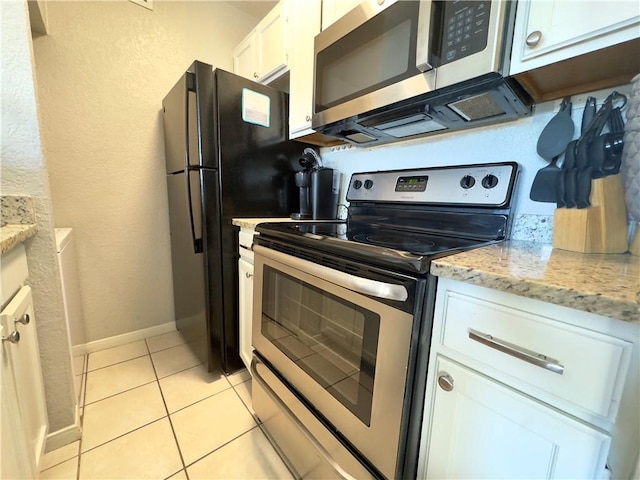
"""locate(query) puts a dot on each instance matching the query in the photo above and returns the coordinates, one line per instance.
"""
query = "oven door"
(342, 342)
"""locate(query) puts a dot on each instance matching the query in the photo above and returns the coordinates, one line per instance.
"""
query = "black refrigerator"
(227, 155)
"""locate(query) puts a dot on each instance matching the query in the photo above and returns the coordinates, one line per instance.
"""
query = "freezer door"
(187, 113)
(257, 161)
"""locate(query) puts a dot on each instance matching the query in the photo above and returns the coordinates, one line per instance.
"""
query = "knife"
(588, 114)
(583, 188)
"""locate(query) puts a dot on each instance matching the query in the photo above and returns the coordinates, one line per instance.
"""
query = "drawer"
(540, 354)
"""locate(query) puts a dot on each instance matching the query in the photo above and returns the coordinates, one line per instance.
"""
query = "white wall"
(24, 172)
(102, 71)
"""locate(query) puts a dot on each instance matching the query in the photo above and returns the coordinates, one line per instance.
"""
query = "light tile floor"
(151, 410)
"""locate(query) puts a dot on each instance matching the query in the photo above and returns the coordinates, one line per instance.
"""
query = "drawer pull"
(537, 359)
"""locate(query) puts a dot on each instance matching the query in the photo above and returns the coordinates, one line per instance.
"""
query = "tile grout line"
(85, 376)
(166, 409)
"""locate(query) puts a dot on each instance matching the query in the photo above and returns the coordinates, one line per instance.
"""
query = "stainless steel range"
(343, 315)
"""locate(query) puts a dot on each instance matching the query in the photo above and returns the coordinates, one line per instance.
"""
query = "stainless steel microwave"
(396, 69)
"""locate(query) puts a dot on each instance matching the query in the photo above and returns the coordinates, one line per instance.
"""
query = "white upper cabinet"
(549, 31)
(332, 10)
(263, 55)
(304, 27)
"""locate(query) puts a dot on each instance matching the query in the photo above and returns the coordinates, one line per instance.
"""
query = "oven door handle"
(365, 286)
(291, 416)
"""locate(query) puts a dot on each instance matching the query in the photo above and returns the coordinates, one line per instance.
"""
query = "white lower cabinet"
(519, 388)
(245, 279)
(245, 293)
(23, 412)
(483, 429)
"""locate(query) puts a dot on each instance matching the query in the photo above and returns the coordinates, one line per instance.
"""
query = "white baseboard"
(123, 339)
(66, 435)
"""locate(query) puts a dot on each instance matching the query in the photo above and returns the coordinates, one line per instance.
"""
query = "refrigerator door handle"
(195, 220)
(190, 86)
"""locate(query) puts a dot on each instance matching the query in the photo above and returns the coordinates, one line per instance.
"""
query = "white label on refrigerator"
(256, 108)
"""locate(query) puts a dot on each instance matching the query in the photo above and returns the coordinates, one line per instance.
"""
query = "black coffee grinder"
(318, 188)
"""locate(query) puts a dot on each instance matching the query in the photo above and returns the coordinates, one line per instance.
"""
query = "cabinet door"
(271, 44)
(305, 26)
(551, 31)
(245, 278)
(15, 461)
(482, 429)
(332, 10)
(244, 59)
(23, 357)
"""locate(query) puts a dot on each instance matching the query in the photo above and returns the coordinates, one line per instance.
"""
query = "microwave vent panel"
(478, 107)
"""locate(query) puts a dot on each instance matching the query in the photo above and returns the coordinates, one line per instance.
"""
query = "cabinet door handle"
(534, 38)
(255, 75)
(308, 118)
(248, 274)
(537, 359)
(13, 337)
(24, 320)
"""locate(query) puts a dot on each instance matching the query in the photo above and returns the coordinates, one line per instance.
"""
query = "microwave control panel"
(465, 28)
(486, 185)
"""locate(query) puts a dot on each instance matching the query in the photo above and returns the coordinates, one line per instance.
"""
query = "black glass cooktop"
(375, 244)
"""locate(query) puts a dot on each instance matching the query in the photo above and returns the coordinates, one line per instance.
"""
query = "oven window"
(380, 52)
(332, 339)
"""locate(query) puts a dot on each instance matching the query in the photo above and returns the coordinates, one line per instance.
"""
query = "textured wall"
(102, 72)
(24, 172)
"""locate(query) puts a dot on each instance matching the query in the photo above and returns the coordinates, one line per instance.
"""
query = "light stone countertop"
(17, 218)
(13, 234)
(604, 284)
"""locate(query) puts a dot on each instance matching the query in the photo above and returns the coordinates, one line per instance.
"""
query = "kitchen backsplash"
(514, 141)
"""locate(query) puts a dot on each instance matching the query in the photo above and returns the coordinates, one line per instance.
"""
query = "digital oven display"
(411, 184)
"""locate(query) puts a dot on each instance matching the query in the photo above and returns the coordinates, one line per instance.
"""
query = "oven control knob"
(368, 184)
(357, 184)
(467, 182)
(489, 181)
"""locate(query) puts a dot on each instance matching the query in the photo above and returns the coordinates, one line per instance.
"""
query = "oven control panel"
(487, 185)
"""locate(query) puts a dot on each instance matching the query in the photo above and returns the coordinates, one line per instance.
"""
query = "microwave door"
(365, 62)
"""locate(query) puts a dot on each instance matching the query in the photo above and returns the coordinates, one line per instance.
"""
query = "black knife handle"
(571, 187)
(597, 156)
(584, 187)
(570, 155)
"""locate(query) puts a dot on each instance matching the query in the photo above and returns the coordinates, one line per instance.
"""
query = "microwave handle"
(365, 286)
(422, 47)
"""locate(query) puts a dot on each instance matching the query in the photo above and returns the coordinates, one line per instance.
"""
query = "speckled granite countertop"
(607, 285)
(17, 219)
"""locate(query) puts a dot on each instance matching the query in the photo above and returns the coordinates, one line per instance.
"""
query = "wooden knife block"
(600, 228)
